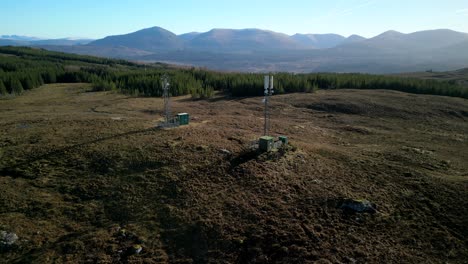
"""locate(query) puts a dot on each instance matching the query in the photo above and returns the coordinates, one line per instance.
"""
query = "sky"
(100, 18)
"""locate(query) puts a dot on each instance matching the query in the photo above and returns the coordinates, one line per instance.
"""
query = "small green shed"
(183, 118)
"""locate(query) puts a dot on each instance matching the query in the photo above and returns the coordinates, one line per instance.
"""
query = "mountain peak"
(354, 38)
(148, 39)
(391, 33)
(153, 29)
(321, 41)
(242, 40)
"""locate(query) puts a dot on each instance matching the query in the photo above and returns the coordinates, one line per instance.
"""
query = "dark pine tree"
(3, 90)
(16, 87)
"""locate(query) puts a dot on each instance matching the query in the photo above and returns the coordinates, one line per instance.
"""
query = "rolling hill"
(231, 40)
(188, 36)
(319, 41)
(149, 39)
(354, 38)
(459, 76)
(86, 177)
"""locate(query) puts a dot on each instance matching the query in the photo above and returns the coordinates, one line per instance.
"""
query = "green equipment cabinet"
(283, 139)
(266, 143)
(183, 118)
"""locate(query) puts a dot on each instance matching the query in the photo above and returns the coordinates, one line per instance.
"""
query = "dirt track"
(77, 167)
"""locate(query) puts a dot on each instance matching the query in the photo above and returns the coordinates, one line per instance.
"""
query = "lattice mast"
(166, 95)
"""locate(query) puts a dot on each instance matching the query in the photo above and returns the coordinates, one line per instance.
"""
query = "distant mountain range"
(324, 41)
(15, 40)
(19, 38)
(264, 50)
(222, 40)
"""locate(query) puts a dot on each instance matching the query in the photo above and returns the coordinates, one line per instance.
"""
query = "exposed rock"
(225, 151)
(137, 249)
(358, 206)
(7, 239)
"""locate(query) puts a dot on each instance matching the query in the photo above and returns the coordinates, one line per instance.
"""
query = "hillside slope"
(459, 76)
(320, 41)
(87, 178)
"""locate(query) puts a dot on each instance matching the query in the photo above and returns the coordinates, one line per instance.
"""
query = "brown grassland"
(85, 177)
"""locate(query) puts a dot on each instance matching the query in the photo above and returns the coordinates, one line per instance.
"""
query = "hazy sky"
(99, 18)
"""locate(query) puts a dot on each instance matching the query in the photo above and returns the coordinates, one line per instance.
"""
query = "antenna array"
(268, 85)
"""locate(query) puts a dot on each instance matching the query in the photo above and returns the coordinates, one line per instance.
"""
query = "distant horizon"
(53, 19)
(264, 29)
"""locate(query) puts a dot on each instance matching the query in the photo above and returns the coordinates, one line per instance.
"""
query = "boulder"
(7, 240)
(358, 206)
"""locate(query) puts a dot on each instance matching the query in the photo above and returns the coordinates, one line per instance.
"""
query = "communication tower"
(166, 95)
(268, 85)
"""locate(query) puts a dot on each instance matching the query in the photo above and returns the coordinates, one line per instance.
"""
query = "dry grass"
(76, 167)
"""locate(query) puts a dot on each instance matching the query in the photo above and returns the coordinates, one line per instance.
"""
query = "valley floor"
(85, 177)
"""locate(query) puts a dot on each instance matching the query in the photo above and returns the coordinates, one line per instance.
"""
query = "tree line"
(27, 68)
